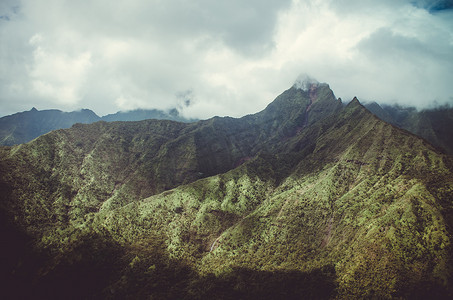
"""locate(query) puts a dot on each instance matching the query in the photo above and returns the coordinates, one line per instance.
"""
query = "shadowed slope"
(434, 125)
(363, 207)
(230, 207)
(70, 173)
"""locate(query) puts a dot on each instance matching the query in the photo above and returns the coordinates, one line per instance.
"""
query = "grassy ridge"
(305, 199)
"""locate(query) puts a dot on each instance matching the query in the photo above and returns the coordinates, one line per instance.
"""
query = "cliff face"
(306, 198)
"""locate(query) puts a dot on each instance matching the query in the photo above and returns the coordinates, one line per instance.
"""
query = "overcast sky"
(225, 57)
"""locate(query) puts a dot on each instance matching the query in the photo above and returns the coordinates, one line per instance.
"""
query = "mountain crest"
(306, 197)
(354, 103)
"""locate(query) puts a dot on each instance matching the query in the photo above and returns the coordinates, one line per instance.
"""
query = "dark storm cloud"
(434, 6)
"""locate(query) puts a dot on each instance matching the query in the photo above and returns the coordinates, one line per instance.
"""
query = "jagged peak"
(356, 105)
(354, 102)
(305, 82)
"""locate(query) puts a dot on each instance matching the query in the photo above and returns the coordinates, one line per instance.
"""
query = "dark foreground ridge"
(306, 199)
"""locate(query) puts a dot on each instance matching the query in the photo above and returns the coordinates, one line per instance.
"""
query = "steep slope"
(431, 124)
(304, 199)
(106, 165)
(361, 211)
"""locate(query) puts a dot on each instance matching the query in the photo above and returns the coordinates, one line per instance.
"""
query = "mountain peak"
(355, 102)
(305, 82)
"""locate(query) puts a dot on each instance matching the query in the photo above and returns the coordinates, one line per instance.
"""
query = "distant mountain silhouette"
(25, 126)
(145, 114)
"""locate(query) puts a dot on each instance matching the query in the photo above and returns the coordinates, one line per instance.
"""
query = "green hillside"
(434, 125)
(306, 199)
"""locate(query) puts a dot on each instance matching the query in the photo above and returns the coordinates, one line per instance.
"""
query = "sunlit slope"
(368, 203)
(304, 199)
(91, 167)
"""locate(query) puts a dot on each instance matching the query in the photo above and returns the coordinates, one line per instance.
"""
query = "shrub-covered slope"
(91, 167)
(306, 199)
(434, 125)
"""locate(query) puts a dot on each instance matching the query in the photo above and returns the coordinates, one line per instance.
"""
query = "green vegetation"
(306, 199)
(431, 124)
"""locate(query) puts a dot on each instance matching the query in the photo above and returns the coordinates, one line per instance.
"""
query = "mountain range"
(430, 124)
(434, 125)
(309, 198)
(25, 126)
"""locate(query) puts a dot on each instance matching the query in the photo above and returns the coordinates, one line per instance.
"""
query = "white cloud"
(233, 57)
(385, 52)
(56, 75)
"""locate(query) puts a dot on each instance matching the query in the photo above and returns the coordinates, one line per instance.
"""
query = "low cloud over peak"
(224, 58)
